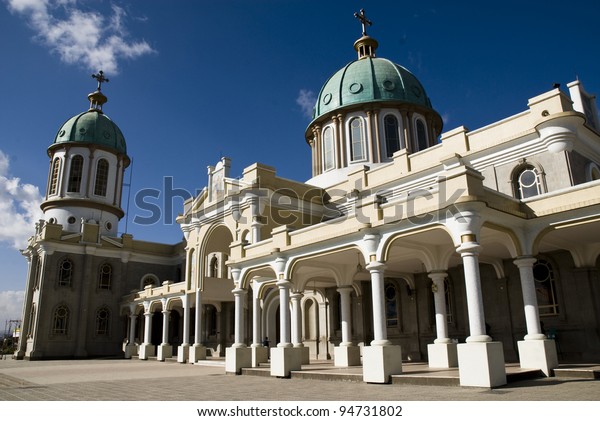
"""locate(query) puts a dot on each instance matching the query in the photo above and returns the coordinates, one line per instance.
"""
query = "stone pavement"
(135, 380)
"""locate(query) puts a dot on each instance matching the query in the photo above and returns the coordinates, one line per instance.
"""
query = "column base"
(131, 350)
(197, 353)
(305, 354)
(183, 352)
(481, 364)
(237, 358)
(540, 354)
(346, 356)
(146, 351)
(260, 354)
(442, 355)
(164, 352)
(285, 360)
(380, 362)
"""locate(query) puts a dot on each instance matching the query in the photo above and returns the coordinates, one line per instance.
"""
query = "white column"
(469, 251)
(345, 304)
(377, 270)
(256, 317)
(198, 319)
(284, 313)
(239, 295)
(165, 329)
(132, 320)
(185, 300)
(532, 316)
(147, 326)
(296, 319)
(439, 296)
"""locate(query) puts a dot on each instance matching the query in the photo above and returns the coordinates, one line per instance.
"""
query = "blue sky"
(191, 81)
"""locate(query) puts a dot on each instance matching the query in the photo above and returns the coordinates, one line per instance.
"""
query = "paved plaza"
(135, 380)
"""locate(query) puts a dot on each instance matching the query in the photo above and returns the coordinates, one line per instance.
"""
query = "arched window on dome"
(328, 149)
(101, 178)
(75, 174)
(527, 182)
(357, 140)
(420, 135)
(392, 134)
(55, 172)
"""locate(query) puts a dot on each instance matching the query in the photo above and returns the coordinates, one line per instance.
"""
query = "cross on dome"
(100, 78)
(363, 19)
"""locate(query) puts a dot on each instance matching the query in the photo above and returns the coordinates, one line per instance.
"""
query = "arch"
(101, 183)
(61, 320)
(328, 149)
(420, 133)
(527, 180)
(218, 238)
(105, 276)
(75, 174)
(54, 177)
(149, 279)
(592, 172)
(65, 272)
(357, 140)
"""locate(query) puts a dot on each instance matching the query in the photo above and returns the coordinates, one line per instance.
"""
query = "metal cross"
(100, 78)
(363, 19)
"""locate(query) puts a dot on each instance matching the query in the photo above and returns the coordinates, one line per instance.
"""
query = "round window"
(71, 220)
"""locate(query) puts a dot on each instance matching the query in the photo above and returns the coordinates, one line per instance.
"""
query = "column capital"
(376, 267)
(525, 261)
(345, 289)
(239, 291)
(165, 311)
(283, 283)
(437, 276)
(469, 248)
(296, 295)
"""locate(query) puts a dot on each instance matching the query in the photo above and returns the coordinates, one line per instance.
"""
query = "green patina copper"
(92, 128)
(369, 79)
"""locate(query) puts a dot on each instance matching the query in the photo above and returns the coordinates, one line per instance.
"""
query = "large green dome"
(366, 80)
(92, 128)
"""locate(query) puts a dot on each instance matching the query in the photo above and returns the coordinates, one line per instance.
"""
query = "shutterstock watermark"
(287, 207)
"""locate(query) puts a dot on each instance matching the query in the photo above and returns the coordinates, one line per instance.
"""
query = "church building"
(460, 248)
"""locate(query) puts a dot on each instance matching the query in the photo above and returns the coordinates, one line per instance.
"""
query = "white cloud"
(81, 37)
(19, 207)
(306, 99)
(11, 306)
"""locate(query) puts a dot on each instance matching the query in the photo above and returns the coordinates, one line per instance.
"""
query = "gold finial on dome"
(365, 46)
(97, 98)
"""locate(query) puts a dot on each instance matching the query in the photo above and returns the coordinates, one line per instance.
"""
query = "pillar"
(238, 356)
(184, 349)
(381, 359)
(146, 349)
(442, 353)
(480, 361)
(164, 349)
(346, 354)
(260, 353)
(198, 351)
(296, 326)
(535, 351)
(284, 358)
(131, 347)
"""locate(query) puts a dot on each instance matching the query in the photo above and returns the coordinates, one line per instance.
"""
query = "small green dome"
(92, 128)
(369, 79)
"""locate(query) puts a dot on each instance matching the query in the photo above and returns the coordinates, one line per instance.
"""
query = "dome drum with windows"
(367, 111)
(87, 162)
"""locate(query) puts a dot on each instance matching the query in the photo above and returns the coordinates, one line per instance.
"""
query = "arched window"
(53, 188)
(75, 174)
(328, 149)
(149, 280)
(60, 321)
(102, 321)
(65, 273)
(101, 177)
(392, 134)
(391, 305)
(105, 276)
(545, 287)
(527, 182)
(421, 133)
(357, 141)
(213, 268)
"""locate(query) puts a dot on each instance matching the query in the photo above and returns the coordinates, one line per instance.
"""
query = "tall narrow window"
(75, 174)
(328, 149)
(31, 324)
(105, 276)
(391, 305)
(60, 321)
(545, 287)
(53, 189)
(392, 135)
(65, 273)
(357, 144)
(213, 270)
(102, 321)
(192, 269)
(527, 182)
(37, 276)
(101, 178)
(421, 135)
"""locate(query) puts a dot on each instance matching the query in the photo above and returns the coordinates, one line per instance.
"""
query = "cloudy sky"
(196, 80)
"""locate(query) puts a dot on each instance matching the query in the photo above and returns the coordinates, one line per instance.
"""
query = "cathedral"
(459, 248)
